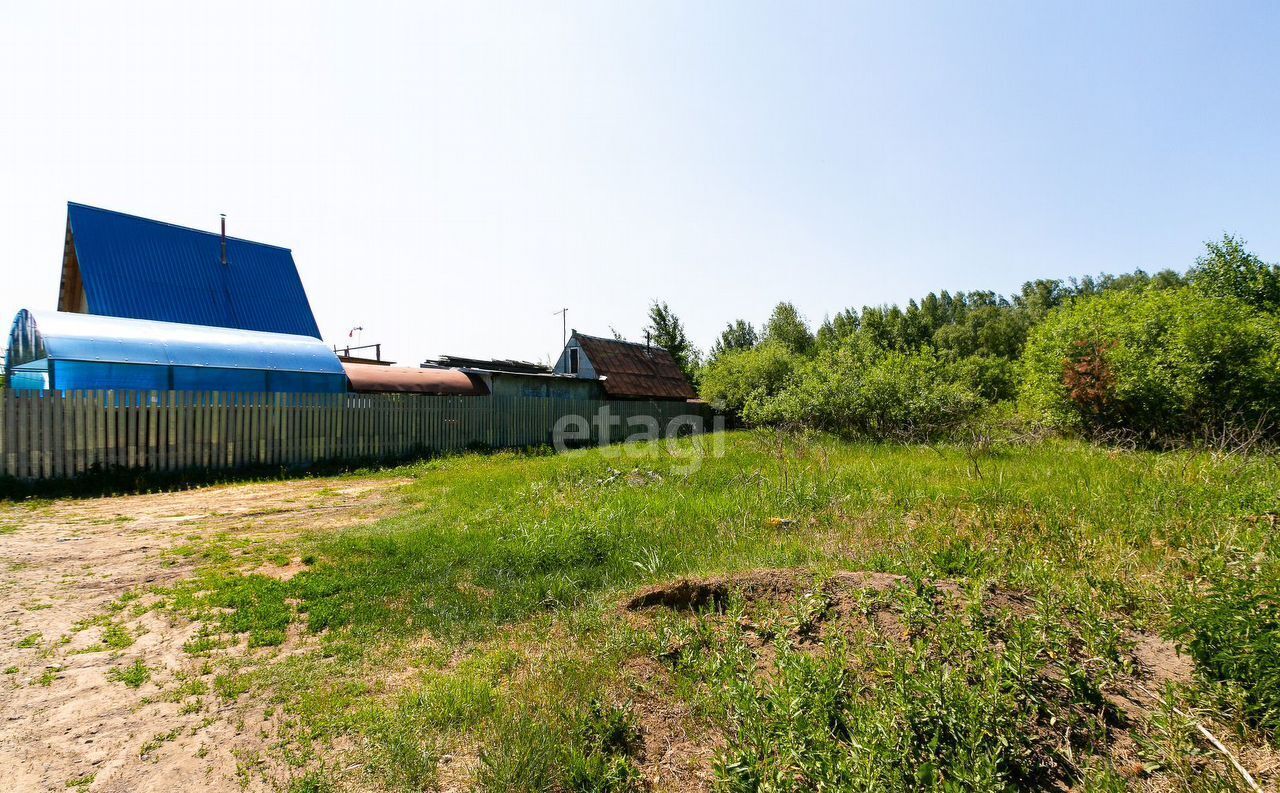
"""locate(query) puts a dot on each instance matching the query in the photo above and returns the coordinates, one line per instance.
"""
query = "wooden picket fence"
(56, 434)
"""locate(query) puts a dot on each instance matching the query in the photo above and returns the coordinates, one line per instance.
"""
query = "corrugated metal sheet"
(144, 269)
(63, 336)
(540, 386)
(631, 370)
(373, 379)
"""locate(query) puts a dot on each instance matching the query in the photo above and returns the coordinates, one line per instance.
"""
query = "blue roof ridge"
(214, 234)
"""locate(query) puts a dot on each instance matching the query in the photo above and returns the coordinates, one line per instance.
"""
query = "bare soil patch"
(678, 749)
(63, 718)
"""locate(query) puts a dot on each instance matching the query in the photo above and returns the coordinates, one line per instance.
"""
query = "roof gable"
(133, 267)
(635, 370)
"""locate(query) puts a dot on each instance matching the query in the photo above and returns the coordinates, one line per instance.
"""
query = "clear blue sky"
(449, 175)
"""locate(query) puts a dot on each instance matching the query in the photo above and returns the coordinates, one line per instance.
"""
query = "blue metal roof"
(64, 336)
(145, 269)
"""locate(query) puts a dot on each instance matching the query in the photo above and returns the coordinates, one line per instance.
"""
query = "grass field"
(863, 617)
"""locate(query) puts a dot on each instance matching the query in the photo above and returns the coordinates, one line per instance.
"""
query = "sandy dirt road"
(65, 722)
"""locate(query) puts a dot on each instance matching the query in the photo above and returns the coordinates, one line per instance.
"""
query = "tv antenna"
(564, 326)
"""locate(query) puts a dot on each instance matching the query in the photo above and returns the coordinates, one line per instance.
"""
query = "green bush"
(991, 377)
(740, 376)
(860, 390)
(1162, 363)
(1233, 632)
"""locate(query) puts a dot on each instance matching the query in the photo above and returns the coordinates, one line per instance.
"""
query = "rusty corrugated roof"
(632, 370)
(373, 379)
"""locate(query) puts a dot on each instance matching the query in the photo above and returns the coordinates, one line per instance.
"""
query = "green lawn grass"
(483, 619)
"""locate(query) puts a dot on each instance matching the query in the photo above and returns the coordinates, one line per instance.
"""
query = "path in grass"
(98, 689)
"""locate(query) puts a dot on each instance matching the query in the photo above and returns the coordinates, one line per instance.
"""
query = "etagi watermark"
(684, 437)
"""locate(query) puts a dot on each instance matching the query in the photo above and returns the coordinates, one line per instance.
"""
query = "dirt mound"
(1157, 660)
(696, 594)
(805, 609)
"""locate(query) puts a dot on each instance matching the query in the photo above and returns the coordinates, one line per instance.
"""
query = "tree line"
(1155, 357)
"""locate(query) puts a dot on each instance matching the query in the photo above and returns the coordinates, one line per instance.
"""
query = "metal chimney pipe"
(224, 238)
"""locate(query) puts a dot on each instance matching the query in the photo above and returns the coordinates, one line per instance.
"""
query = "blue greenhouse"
(83, 352)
